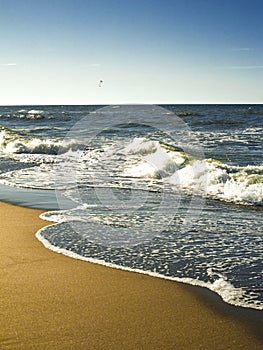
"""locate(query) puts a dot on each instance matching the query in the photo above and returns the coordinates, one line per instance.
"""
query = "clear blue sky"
(145, 51)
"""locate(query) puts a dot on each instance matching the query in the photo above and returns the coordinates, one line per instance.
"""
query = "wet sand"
(50, 301)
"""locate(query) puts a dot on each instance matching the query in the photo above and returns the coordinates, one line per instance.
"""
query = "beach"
(181, 205)
(131, 175)
(50, 301)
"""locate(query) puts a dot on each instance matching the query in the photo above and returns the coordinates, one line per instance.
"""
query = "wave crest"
(13, 142)
(242, 185)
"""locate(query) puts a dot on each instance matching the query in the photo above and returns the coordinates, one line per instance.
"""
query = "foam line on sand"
(50, 301)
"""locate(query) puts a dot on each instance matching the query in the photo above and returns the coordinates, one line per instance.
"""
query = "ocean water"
(173, 191)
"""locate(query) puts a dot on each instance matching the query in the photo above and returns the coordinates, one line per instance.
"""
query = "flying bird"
(100, 83)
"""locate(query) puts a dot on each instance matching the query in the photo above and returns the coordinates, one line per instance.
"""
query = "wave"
(35, 114)
(228, 292)
(243, 185)
(150, 163)
(13, 142)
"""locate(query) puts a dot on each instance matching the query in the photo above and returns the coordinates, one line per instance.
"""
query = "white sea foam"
(37, 177)
(13, 142)
(2, 138)
(155, 160)
(242, 185)
(32, 146)
(144, 159)
(221, 286)
(141, 146)
(35, 111)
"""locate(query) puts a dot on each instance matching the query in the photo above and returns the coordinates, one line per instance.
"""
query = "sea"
(172, 191)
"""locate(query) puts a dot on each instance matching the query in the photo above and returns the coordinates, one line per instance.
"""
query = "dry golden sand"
(49, 301)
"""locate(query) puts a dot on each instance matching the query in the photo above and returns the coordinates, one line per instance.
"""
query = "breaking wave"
(236, 184)
(148, 162)
(13, 142)
(35, 114)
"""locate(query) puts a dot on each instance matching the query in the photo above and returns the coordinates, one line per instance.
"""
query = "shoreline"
(96, 261)
(52, 301)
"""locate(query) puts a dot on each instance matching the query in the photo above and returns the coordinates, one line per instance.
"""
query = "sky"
(145, 51)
